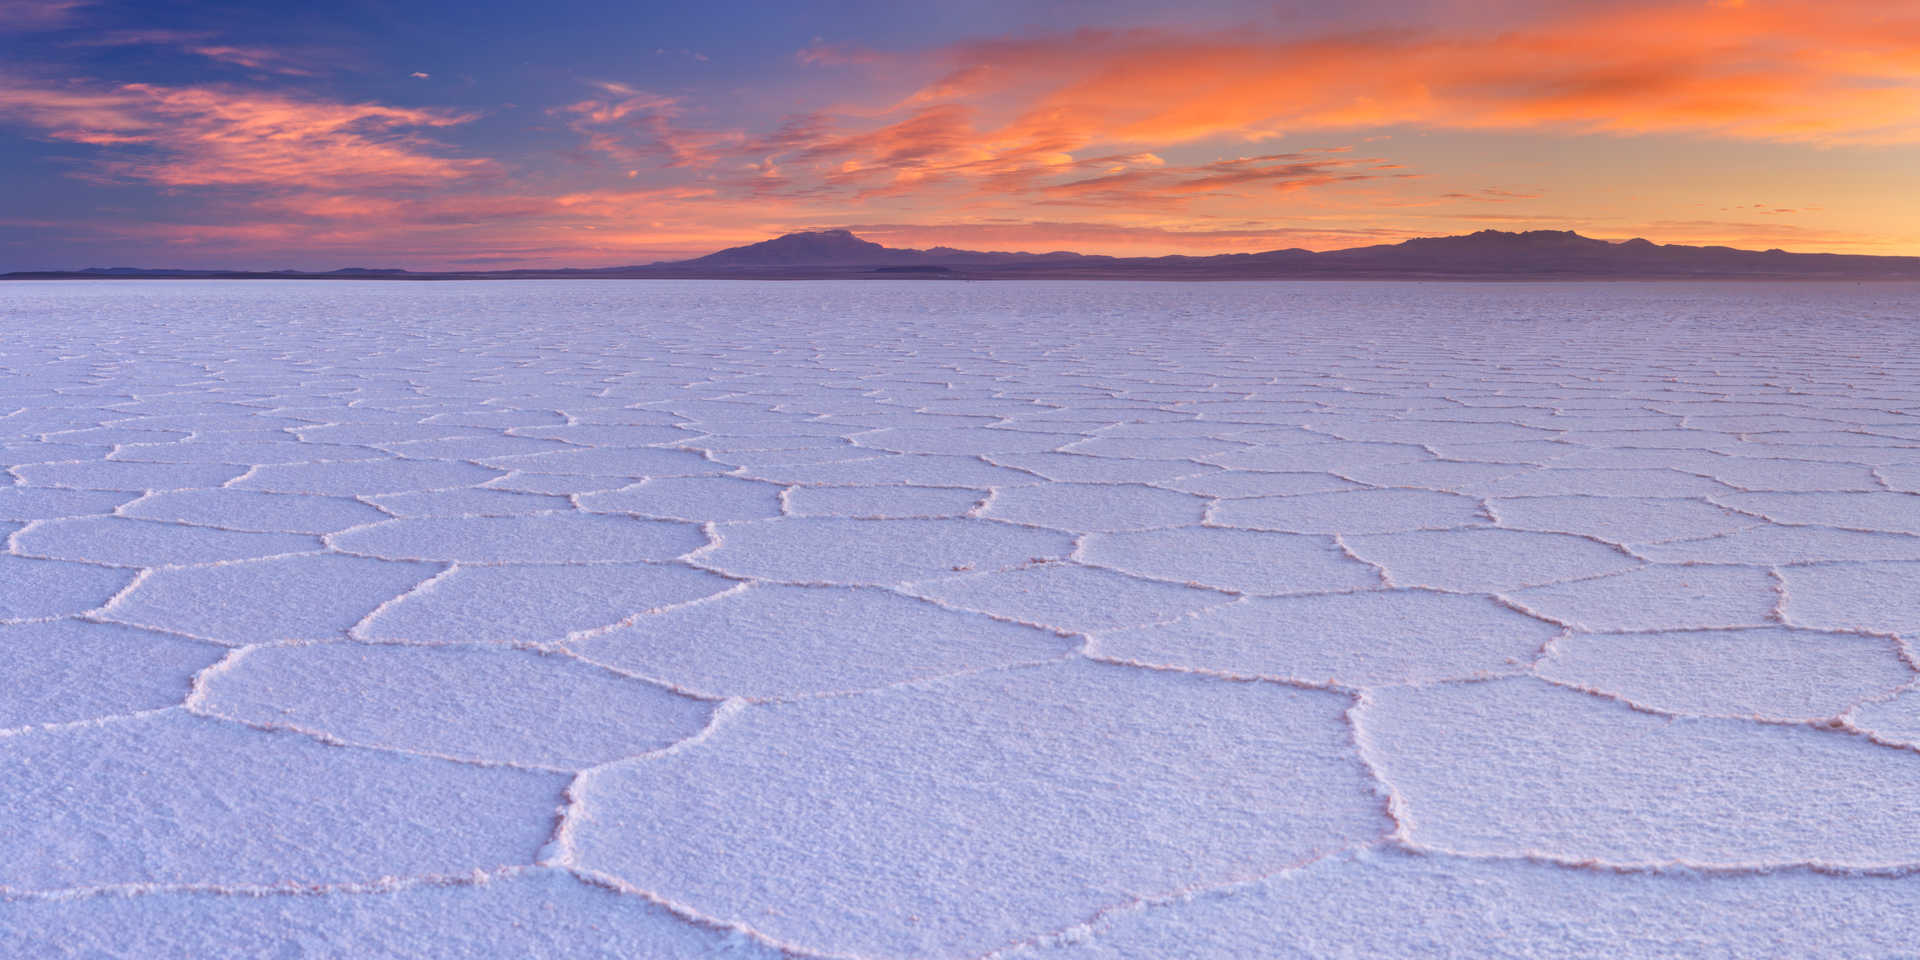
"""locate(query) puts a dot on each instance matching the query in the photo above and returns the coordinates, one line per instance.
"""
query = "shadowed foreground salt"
(899, 620)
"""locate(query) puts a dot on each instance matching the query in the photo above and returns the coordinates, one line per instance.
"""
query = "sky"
(492, 133)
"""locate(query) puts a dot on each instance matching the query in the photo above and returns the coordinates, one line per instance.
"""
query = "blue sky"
(439, 134)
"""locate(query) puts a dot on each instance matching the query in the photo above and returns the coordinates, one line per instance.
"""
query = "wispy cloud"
(28, 16)
(1747, 233)
(253, 58)
(1051, 119)
(822, 54)
(940, 153)
(1139, 187)
(213, 136)
(1489, 195)
(632, 126)
(1831, 71)
(203, 43)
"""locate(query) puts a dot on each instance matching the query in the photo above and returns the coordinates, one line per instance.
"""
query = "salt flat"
(932, 619)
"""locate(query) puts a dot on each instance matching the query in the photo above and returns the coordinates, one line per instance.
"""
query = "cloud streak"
(28, 16)
(1834, 71)
(940, 154)
(200, 136)
(1084, 119)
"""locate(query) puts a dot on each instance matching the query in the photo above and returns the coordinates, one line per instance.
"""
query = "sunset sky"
(486, 133)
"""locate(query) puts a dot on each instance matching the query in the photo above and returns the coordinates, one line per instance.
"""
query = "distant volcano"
(821, 247)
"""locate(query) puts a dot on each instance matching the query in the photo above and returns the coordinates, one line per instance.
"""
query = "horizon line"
(848, 231)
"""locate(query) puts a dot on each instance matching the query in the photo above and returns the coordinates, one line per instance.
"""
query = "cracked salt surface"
(959, 621)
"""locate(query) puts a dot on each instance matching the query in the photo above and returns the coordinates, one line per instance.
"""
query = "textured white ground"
(1052, 621)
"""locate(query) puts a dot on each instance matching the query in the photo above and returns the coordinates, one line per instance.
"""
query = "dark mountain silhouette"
(1487, 255)
(1563, 251)
(801, 249)
(831, 248)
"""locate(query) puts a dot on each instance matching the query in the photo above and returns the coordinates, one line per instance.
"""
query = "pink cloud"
(632, 126)
(253, 58)
(211, 136)
(1831, 71)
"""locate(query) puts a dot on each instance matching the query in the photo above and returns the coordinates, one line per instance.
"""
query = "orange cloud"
(1173, 187)
(1832, 71)
(938, 154)
(1050, 120)
(209, 136)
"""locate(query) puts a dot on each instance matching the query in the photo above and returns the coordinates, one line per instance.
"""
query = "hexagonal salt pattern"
(1135, 784)
(875, 620)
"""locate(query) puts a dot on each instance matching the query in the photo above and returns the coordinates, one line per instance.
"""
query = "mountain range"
(1486, 255)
